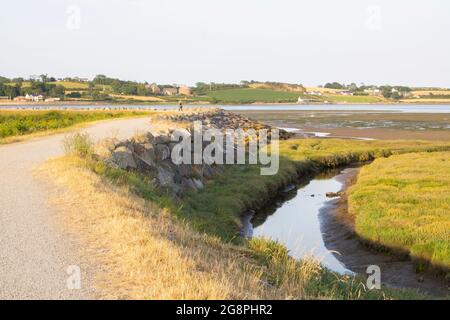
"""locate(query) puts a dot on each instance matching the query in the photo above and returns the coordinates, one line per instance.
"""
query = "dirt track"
(34, 254)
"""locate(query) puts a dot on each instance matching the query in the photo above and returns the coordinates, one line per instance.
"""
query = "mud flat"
(360, 124)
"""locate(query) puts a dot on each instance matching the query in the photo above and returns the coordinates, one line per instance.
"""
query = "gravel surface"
(34, 254)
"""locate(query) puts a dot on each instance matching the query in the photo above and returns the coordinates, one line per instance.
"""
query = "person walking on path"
(181, 107)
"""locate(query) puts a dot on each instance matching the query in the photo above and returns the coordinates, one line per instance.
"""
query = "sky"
(399, 42)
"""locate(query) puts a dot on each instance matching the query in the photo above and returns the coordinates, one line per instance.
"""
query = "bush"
(79, 144)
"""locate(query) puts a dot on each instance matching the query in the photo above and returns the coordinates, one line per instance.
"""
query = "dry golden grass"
(140, 98)
(425, 100)
(145, 254)
(430, 92)
(322, 90)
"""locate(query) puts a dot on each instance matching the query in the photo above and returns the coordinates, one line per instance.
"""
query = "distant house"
(346, 92)
(81, 79)
(34, 98)
(314, 93)
(185, 91)
(52, 99)
(301, 100)
(20, 99)
(170, 91)
(153, 88)
(373, 91)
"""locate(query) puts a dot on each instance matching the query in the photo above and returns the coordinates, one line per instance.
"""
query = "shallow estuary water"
(411, 108)
(294, 220)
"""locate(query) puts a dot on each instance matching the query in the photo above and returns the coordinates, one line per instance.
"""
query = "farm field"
(249, 95)
(336, 98)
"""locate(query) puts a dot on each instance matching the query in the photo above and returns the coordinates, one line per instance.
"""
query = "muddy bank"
(360, 124)
(339, 237)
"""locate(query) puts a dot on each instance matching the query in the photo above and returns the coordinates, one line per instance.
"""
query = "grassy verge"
(15, 125)
(146, 253)
(403, 203)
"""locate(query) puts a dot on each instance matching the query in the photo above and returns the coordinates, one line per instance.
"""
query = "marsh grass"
(403, 203)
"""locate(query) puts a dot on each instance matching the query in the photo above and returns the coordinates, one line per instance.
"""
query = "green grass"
(403, 203)
(72, 85)
(19, 123)
(249, 95)
(353, 99)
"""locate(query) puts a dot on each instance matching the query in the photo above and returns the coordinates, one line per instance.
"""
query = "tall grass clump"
(78, 144)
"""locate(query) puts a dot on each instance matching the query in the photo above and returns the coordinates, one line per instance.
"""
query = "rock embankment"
(150, 153)
(220, 119)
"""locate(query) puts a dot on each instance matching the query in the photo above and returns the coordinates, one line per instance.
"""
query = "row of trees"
(13, 88)
(120, 86)
(46, 86)
(389, 92)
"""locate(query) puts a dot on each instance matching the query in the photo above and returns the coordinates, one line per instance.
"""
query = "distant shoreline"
(15, 105)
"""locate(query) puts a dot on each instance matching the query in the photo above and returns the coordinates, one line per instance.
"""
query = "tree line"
(393, 92)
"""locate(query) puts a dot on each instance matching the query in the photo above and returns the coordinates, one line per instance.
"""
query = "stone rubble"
(150, 153)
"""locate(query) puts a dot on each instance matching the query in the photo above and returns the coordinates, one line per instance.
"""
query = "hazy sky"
(185, 41)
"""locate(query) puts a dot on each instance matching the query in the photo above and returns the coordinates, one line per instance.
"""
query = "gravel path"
(34, 254)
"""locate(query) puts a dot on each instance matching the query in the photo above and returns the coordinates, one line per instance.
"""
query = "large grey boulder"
(158, 137)
(165, 177)
(162, 152)
(179, 134)
(207, 171)
(123, 157)
(185, 170)
(198, 183)
(146, 154)
(188, 184)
